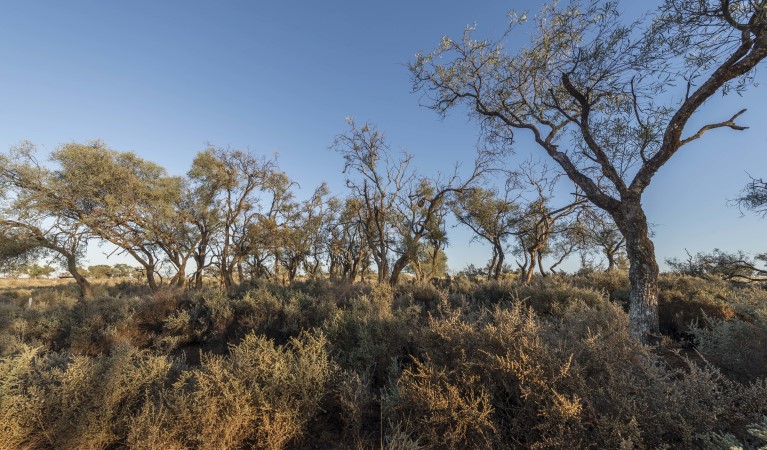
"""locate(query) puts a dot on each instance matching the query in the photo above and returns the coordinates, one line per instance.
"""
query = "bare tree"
(597, 232)
(398, 208)
(348, 252)
(754, 197)
(597, 95)
(378, 181)
(422, 210)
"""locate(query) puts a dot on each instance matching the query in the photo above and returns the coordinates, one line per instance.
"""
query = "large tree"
(126, 200)
(31, 220)
(608, 100)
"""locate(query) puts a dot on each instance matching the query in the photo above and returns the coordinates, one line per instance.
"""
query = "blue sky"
(162, 79)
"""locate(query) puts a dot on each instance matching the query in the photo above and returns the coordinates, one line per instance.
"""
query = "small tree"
(36, 270)
(400, 209)
(597, 233)
(595, 94)
(377, 181)
(754, 197)
(735, 266)
(492, 217)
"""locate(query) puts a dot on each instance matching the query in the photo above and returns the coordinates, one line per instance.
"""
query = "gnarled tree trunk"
(643, 273)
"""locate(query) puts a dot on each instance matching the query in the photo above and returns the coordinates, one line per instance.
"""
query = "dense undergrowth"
(331, 365)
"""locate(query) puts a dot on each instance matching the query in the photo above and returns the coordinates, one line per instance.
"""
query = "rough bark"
(643, 273)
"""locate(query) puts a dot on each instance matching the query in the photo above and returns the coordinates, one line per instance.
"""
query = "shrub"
(737, 347)
(333, 364)
(261, 396)
(443, 413)
(685, 300)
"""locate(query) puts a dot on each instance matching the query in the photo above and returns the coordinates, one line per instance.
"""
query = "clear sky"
(164, 78)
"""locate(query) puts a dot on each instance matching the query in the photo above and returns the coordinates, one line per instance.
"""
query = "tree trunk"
(150, 279)
(86, 290)
(643, 274)
(499, 262)
(240, 273)
(383, 269)
(199, 261)
(540, 265)
(491, 272)
(399, 266)
(181, 281)
(531, 268)
(610, 260)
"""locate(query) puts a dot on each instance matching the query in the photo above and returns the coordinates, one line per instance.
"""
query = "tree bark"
(383, 270)
(181, 281)
(541, 269)
(643, 273)
(491, 272)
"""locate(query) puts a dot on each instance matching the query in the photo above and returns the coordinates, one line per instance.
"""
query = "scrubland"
(323, 364)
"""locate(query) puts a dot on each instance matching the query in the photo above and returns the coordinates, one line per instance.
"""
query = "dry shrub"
(686, 300)
(737, 347)
(554, 294)
(573, 382)
(488, 292)
(614, 283)
(150, 311)
(369, 337)
(444, 413)
(64, 401)
(354, 405)
(424, 295)
(281, 313)
(260, 396)
(329, 364)
(201, 319)
(546, 295)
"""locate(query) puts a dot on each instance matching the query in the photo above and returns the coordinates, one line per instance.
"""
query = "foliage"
(37, 271)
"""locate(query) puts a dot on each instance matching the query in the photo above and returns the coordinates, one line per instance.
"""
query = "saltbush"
(331, 364)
